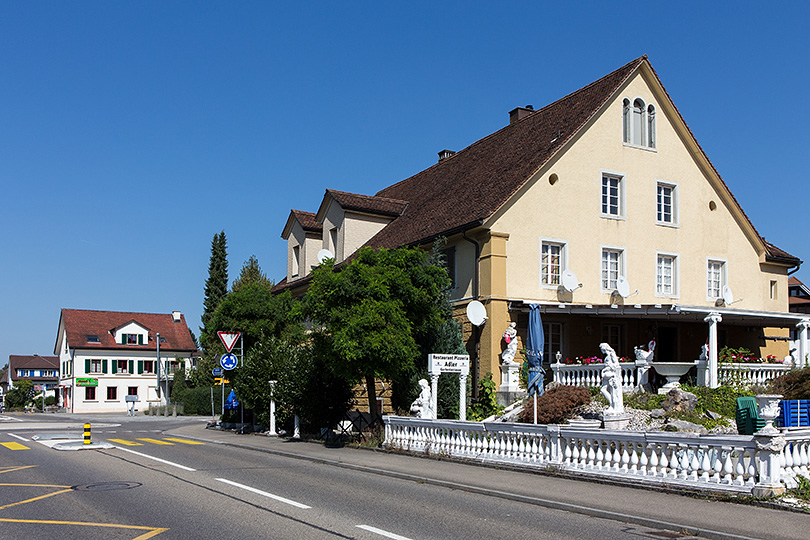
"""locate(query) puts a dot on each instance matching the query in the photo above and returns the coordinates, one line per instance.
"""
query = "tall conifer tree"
(216, 286)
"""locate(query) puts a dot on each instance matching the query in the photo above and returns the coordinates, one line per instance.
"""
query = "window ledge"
(615, 218)
(639, 147)
(670, 225)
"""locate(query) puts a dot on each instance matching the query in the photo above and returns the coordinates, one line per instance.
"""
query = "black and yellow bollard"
(87, 434)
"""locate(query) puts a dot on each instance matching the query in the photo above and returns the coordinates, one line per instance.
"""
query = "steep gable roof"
(473, 183)
(16, 361)
(305, 219)
(80, 323)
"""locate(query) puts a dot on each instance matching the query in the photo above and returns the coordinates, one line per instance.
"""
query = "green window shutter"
(140, 339)
(131, 366)
(123, 339)
(104, 366)
(140, 367)
(115, 366)
(87, 366)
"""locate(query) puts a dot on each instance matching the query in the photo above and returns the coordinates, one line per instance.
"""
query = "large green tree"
(373, 312)
(251, 273)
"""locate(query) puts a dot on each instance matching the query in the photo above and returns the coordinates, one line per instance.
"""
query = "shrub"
(556, 405)
(486, 404)
(793, 385)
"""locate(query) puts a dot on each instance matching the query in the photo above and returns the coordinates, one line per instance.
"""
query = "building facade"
(106, 356)
(600, 207)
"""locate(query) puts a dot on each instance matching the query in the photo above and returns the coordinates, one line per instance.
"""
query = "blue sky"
(132, 132)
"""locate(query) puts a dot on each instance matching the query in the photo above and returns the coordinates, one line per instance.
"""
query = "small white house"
(106, 356)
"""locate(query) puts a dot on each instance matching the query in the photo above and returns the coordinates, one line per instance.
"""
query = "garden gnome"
(510, 337)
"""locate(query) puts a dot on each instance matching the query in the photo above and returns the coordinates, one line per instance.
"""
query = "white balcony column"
(713, 319)
(434, 394)
(803, 325)
(462, 397)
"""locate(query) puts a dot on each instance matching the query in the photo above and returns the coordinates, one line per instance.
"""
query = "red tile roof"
(35, 361)
(383, 206)
(80, 323)
(307, 221)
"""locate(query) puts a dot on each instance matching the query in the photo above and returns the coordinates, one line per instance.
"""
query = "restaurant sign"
(87, 382)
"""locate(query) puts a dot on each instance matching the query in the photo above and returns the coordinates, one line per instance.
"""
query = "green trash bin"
(748, 420)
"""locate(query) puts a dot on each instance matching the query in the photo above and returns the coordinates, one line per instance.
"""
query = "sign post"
(450, 363)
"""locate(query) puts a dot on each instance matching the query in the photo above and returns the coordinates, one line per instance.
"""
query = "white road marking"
(381, 532)
(156, 459)
(16, 436)
(265, 494)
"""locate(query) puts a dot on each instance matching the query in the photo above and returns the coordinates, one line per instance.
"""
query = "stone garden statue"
(510, 337)
(422, 407)
(612, 381)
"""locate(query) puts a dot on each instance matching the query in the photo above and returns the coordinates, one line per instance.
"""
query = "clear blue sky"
(132, 132)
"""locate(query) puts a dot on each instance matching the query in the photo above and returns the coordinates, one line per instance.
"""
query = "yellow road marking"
(12, 469)
(36, 498)
(14, 446)
(155, 441)
(151, 531)
(184, 441)
(125, 442)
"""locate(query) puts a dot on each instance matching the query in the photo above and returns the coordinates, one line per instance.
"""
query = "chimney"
(444, 154)
(519, 113)
(176, 316)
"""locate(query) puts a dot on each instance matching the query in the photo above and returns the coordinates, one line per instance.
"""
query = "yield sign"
(229, 339)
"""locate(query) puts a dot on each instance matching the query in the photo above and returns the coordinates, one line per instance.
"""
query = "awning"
(668, 312)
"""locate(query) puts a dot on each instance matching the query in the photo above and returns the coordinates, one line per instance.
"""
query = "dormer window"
(93, 339)
(638, 123)
(132, 339)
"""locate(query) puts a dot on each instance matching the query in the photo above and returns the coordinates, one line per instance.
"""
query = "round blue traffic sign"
(228, 361)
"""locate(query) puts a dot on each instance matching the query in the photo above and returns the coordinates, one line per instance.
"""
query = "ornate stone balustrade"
(750, 374)
(590, 375)
(762, 465)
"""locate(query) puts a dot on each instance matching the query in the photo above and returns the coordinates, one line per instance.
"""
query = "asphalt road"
(154, 485)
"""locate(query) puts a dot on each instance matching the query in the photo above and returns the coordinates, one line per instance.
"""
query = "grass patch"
(803, 490)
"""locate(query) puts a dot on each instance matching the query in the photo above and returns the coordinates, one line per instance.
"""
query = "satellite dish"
(569, 281)
(728, 296)
(623, 287)
(476, 313)
(323, 255)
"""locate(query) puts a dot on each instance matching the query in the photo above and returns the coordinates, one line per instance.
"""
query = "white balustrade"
(590, 375)
(750, 374)
(735, 463)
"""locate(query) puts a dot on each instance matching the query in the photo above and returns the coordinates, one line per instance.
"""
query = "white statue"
(612, 381)
(704, 352)
(422, 406)
(643, 359)
(789, 361)
(510, 337)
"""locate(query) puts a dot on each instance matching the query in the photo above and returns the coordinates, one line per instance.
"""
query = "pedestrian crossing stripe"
(156, 441)
(184, 441)
(14, 446)
(125, 442)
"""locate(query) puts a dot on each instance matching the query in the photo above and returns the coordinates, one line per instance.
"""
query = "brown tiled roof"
(80, 323)
(774, 254)
(307, 221)
(384, 206)
(35, 361)
(473, 183)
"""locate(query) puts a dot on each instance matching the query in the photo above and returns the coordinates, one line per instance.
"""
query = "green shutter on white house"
(140, 339)
(131, 366)
(87, 365)
(104, 366)
(123, 339)
(114, 366)
(140, 367)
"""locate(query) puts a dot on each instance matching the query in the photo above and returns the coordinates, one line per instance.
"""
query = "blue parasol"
(534, 350)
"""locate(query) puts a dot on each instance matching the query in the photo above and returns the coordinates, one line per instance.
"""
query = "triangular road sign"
(229, 339)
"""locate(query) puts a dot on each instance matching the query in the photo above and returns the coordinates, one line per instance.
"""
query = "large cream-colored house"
(608, 184)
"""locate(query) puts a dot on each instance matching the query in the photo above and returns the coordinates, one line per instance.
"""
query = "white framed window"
(638, 123)
(773, 290)
(716, 278)
(666, 203)
(612, 195)
(611, 268)
(552, 262)
(296, 260)
(666, 275)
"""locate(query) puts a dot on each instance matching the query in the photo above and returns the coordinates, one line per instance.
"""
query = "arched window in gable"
(638, 122)
(626, 120)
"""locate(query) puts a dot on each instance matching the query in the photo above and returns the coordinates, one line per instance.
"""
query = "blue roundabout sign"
(228, 361)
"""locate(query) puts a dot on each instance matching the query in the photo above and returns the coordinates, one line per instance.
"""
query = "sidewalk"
(658, 510)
